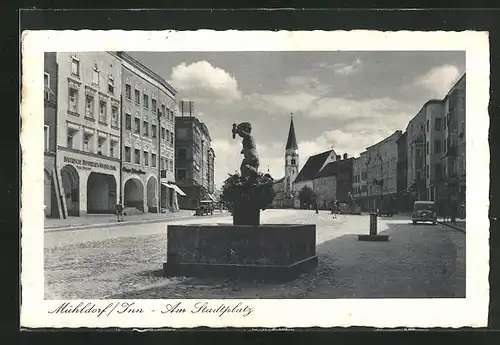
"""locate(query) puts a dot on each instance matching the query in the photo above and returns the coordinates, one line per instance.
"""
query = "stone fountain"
(245, 249)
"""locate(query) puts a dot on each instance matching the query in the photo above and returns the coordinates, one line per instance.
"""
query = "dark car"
(205, 207)
(424, 211)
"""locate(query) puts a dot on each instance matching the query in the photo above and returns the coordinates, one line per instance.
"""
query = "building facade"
(360, 181)
(405, 204)
(51, 201)
(147, 172)
(88, 132)
(454, 157)
(195, 160)
(382, 171)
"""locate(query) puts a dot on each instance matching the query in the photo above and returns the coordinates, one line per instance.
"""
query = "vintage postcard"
(254, 179)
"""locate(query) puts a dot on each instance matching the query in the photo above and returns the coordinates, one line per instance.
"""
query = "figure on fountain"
(250, 164)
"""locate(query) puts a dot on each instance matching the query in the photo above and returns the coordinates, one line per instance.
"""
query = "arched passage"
(133, 194)
(152, 191)
(47, 192)
(101, 193)
(71, 188)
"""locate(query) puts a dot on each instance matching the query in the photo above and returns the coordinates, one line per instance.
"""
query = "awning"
(211, 197)
(174, 187)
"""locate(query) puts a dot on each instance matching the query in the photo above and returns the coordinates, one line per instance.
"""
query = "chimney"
(337, 158)
(345, 155)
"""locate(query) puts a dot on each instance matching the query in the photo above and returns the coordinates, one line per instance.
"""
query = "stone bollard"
(373, 224)
(373, 236)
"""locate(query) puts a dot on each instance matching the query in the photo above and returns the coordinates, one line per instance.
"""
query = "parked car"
(205, 207)
(424, 211)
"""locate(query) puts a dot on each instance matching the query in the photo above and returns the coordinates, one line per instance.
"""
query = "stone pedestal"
(245, 213)
(268, 252)
(373, 236)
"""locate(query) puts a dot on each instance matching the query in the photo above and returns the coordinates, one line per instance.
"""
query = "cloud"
(343, 68)
(438, 80)
(202, 80)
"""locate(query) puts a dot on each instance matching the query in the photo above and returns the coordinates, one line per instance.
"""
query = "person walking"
(119, 211)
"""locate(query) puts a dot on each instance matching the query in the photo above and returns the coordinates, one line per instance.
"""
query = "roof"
(334, 167)
(312, 166)
(291, 143)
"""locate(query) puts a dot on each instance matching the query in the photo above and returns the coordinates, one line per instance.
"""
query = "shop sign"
(84, 164)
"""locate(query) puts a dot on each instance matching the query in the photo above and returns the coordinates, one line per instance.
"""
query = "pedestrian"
(119, 211)
(316, 206)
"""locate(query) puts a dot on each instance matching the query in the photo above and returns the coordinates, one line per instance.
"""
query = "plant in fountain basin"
(256, 191)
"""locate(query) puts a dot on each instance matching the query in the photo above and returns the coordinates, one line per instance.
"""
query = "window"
(114, 116)
(292, 162)
(95, 75)
(146, 158)
(153, 105)
(168, 136)
(73, 100)
(46, 137)
(181, 174)
(100, 144)
(171, 115)
(111, 85)
(171, 165)
(427, 148)
(89, 106)
(112, 149)
(102, 112)
(46, 86)
(172, 138)
(162, 163)
(463, 126)
(128, 122)
(153, 131)
(137, 129)
(87, 146)
(163, 133)
(437, 146)
(75, 66)
(427, 126)
(137, 156)
(163, 110)
(438, 124)
(69, 138)
(137, 97)
(128, 152)
(128, 91)
(145, 126)
(427, 171)
(153, 160)
(145, 100)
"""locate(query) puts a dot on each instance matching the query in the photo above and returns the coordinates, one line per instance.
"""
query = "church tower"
(291, 157)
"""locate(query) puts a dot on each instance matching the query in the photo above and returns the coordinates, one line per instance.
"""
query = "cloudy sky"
(344, 100)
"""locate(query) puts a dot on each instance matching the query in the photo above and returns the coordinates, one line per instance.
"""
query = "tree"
(307, 196)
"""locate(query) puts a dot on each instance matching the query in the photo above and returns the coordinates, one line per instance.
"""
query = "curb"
(113, 224)
(452, 226)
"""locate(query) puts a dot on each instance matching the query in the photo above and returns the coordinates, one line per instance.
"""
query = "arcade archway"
(133, 194)
(152, 191)
(101, 193)
(71, 188)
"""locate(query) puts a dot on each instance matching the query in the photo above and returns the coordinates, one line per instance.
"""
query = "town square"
(188, 176)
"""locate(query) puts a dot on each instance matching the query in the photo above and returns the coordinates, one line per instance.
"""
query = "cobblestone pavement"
(419, 261)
